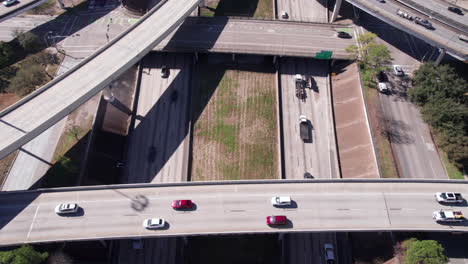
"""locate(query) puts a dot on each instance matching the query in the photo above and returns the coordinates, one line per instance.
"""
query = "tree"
(372, 57)
(24, 255)
(7, 53)
(422, 252)
(27, 79)
(28, 41)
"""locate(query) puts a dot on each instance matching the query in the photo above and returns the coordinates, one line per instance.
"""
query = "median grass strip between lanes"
(234, 124)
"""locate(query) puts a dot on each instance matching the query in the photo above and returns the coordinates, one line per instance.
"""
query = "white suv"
(68, 208)
(398, 70)
(329, 254)
(281, 201)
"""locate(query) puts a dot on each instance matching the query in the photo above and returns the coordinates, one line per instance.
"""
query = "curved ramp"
(34, 114)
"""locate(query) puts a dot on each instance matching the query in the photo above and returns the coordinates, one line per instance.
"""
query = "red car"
(276, 220)
(181, 204)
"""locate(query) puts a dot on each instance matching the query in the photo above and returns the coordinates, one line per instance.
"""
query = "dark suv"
(456, 10)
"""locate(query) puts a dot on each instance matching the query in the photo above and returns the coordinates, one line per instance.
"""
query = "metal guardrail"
(434, 15)
(79, 65)
(241, 182)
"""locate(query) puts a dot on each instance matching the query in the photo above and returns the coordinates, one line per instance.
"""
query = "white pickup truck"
(449, 197)
(448, 216)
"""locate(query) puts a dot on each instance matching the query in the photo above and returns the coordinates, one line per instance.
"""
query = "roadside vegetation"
(373, 58)
(247, 8)
(443, 97)
(414, 251)
(25, 254)
(235, 129)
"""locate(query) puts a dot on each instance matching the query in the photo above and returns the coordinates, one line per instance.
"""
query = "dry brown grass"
(235, 135)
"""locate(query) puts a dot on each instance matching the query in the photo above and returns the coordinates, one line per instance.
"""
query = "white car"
(284, 15)
(68, 208)
(329, 253)
(383, 87)
(281, 201)
(398, 70)
(9, 2)
(153, 223)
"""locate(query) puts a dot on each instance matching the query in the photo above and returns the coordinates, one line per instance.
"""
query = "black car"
(308, 176)
(342, 34)
(456, 10)
(423, 22)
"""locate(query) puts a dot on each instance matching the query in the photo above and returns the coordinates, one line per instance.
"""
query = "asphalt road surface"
(412, 143)
(257, 37)
(303, 10)
(159, 144)
(317, 156)
(441, 35)
(306, 248)
(45, 109)
(224, 209)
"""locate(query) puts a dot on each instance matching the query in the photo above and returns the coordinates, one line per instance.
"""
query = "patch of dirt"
(7, 99)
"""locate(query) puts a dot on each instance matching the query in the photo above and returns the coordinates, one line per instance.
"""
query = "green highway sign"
(324, 55)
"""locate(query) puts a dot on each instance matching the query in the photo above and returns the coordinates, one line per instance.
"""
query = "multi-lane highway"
(441, 36)
(107, 213)
(24, 121)
(260, 37)
(303, 10)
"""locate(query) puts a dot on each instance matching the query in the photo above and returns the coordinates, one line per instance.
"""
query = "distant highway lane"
(29, 217)
(70, 90)
(261, 37)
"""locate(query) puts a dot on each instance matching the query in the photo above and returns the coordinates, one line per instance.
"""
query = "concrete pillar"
(441, 56)
(196, 57)
(336, 10)
(274, 59)
(280, 236)
(233, 57)
(103, 242)
(185, 239)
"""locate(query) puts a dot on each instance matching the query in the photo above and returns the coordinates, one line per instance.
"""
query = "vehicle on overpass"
(449, 197)
(304, 128)
(182, 204)
(448, 216)
(276, 220)
(404, 14)
(67, 208)
(342, 34)
(300, 86)
(455, 10)
(9, 2)
(281, 201)
(423, 22)
(154, 223)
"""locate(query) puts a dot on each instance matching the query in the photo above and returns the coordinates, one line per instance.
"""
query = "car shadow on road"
(78, 213)
(293, 205)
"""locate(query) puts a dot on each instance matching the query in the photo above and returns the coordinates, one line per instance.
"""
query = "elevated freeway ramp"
(29, 117)
(114, 212)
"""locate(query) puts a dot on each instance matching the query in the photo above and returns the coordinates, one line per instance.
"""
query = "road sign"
(324, 55)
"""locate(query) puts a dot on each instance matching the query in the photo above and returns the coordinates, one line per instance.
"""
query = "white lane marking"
(32, 223)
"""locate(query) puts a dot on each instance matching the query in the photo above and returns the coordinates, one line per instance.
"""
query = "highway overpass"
(260, 37)
(34, 114)
(19, 7)
(114, 212)
(442, 36)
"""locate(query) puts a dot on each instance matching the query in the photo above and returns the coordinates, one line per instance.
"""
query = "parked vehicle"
(304, 128)
(275, 220)
(404, 14)
(455, 10)
(398, 70)
(448, 216)
(154, 223)
(67, 208)
(383, 88)
(449, 197)
(182, 204)
(300, 86)
(284, 15)
(308, 176)
(423, 22)
(281, 201)
(329, 253)
(9, 2)
(342, 34)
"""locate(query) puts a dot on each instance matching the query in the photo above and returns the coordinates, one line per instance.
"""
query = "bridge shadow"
(14, 205)
(196, 34)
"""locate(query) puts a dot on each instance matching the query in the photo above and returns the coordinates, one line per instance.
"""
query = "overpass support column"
(280, 236)
(336, 10)
(196, 57)
(233, 57)
(185, 239)
(441, 56)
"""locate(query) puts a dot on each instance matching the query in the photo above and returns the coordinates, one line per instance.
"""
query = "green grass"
(452, 171)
